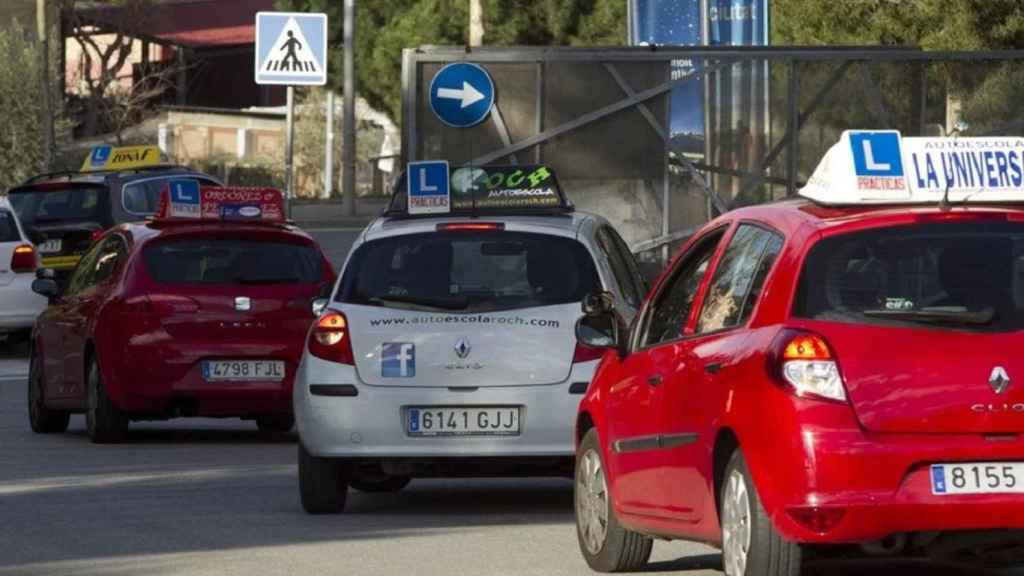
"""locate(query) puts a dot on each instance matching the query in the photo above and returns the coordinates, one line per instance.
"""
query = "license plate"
(243, 371)
(978, 478)
(459, 421)
(51, 246)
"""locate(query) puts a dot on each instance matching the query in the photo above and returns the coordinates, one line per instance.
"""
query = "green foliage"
(384, 28)
(929, 24)
(22, 139)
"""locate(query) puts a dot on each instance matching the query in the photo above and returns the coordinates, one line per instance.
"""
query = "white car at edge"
(19, 305)
(448, 347)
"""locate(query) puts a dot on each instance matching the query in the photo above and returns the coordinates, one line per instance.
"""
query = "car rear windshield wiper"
(452, 303)
(268, 280)
(938, 314)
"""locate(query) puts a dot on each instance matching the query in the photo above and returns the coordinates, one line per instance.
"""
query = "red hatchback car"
(194, 316)
(810, 379)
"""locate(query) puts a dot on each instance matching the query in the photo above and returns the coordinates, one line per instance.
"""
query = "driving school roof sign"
(121, 158)
(291, 48)
(867, 167)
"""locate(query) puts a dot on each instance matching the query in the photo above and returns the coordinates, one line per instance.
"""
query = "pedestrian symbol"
(291, 48)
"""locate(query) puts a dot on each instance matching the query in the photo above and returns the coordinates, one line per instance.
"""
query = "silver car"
(448, 349)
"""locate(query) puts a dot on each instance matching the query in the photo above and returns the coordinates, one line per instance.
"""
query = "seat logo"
(243, 304)
(462, 348)
(999, 380)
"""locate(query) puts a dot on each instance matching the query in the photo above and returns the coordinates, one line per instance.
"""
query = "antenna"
(944, 204)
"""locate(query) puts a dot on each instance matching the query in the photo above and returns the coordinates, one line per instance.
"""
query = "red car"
(202, 311)
(823, 376)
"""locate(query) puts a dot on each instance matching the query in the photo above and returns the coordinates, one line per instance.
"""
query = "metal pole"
(49, 135)
(329, 148)
(476, 23)
(289, 141)
(348, 136)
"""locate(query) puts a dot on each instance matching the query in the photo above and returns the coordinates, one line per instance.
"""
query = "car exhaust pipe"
(886, 547)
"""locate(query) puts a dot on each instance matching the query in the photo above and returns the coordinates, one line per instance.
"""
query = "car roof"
(150, 229)
(791, 214)
(567, 224)
(101, 177)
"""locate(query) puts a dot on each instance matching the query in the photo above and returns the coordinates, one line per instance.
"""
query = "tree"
(383, 29)
(22, 141)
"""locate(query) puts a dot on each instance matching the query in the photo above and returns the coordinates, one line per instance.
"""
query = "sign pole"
(329, 148)
(289, 142)
(348, 137)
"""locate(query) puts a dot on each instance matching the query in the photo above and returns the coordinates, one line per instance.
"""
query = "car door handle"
(713, 367)
(654, 380)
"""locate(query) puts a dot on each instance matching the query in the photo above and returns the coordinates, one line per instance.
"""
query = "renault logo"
(462, 348)
(998, 380)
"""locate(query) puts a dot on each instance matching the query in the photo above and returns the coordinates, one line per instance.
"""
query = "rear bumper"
(156, 380)
(370, 425)
(19, 305)
(880, 482)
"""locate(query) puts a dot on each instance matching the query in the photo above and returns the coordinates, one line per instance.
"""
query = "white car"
(448, 346)
(19, 305)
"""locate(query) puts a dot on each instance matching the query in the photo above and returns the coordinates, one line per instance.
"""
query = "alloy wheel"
(592, 502)
(735, 525)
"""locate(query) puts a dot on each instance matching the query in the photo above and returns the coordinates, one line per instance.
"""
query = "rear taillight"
(24, 259)
(804, 364)
(586, 353)
(330, 339)
(470, 226)
(96, 235)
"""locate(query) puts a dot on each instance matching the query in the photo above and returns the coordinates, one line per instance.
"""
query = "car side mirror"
(319, 305)
(46, 287)
(598, 304)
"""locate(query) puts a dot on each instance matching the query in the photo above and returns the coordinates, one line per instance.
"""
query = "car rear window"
(142, 197)
(469, 272)
(966, 276)
(230, 261)
(8, 229)
(42, 206)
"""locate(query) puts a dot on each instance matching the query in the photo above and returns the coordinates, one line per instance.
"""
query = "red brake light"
(470, 226)
(96, 235)
(586, 353)
(330, 340)
(803, 363)
(23, 259)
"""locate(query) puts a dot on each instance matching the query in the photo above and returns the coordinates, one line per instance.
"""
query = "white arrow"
(468, 94)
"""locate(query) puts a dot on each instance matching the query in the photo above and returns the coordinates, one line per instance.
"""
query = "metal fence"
(608, 120)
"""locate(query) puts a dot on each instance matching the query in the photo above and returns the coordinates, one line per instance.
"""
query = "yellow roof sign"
(121, 158)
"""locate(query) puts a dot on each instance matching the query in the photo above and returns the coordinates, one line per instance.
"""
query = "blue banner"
(738, 22)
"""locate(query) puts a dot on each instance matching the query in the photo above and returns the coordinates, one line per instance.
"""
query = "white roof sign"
(881, 167)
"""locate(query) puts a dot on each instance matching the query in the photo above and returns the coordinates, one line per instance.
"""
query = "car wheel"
(104, 421)
(323, 483)
(275, 423)
(607, 546)
(42, 419)
(750, 544)
(387, 484)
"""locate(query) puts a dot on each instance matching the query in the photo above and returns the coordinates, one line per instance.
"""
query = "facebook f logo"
(876, 154)
(398, 360)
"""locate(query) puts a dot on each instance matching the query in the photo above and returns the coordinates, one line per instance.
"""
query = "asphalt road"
(198, 497)
(336, 242)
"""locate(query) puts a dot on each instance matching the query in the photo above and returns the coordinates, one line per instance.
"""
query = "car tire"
(104, 422)
(43, 420)
(750, 544)
(275, 423)
(323, 483)
(385, 485)
(606, 545)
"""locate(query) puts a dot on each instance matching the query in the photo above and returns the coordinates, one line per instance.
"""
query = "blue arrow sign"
(462, 94)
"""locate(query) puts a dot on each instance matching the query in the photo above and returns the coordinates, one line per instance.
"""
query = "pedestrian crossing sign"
(291, 48)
